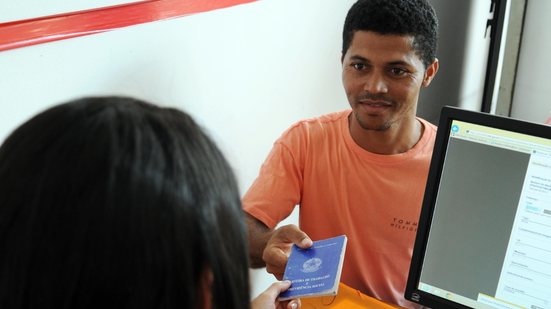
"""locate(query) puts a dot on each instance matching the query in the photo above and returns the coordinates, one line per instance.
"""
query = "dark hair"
(401, 17)
(112, 202)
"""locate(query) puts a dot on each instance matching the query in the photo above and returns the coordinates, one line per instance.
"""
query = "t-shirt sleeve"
(277, 189)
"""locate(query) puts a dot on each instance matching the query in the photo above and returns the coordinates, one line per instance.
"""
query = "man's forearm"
(259, 234)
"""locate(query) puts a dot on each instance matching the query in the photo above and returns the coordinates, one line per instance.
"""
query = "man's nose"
(375, 83)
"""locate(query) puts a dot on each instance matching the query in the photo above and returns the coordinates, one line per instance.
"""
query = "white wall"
(245, 73)
(532, 92)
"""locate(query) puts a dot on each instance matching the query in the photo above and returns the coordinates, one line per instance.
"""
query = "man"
(359, 172)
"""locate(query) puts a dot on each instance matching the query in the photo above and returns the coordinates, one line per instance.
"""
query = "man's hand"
(278, 248)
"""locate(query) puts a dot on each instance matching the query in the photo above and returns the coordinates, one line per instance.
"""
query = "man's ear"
(430, 72)
(204, 289)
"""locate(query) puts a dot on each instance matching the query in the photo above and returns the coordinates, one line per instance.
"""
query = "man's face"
(382, 76)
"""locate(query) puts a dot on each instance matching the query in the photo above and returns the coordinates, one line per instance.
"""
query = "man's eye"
(398, 71)
(358, 66)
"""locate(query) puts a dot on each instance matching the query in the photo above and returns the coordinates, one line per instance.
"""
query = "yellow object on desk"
(347, 298)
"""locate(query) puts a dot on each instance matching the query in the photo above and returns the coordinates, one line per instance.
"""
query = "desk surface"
(347, 298)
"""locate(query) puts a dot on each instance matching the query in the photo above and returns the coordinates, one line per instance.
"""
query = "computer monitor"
(484, 233)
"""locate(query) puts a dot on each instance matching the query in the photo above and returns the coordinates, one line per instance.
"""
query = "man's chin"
(372, 124)
(380, 128)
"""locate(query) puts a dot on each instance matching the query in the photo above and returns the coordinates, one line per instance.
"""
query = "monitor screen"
(484, 234)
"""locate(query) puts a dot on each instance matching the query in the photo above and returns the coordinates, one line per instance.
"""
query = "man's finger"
(293, 234)
(275, 256)
(276, 271)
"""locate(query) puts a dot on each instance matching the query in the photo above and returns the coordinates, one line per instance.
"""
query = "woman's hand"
(268, 298)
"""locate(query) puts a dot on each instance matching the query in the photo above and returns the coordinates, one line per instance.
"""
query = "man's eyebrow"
(363, 59)
(400, 62)
(359, 58)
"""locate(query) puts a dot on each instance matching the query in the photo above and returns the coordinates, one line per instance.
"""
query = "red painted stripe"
(51, 28)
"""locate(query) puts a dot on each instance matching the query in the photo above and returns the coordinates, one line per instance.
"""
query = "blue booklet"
(315, 271)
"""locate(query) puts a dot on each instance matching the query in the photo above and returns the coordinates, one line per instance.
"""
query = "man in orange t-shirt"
(359, 172)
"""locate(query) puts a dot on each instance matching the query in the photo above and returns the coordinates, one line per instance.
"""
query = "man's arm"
(259, 234)
(271, 248)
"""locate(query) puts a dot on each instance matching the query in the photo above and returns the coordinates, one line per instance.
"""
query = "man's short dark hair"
(400, 17)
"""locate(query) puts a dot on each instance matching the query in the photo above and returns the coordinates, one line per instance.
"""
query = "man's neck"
(397, 139)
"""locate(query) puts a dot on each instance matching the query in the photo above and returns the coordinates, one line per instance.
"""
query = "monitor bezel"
(447, 116)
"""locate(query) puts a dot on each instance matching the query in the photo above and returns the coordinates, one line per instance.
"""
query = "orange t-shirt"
(343, 189)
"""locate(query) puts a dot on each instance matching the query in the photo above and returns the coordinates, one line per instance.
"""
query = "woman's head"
(114, 202)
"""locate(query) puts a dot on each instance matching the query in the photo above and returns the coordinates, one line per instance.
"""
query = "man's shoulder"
(311, 130)
(323, 122)
(426, 143)
(334, 116)
(428, 125)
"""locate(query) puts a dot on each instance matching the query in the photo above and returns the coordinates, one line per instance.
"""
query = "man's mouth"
(374, 105)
